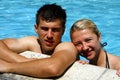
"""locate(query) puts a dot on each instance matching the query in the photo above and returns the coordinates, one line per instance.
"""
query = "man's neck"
(47, 52)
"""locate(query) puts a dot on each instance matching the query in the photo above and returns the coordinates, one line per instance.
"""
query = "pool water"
(17, 18)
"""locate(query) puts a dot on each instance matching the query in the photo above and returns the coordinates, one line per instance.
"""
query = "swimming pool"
(17, 18)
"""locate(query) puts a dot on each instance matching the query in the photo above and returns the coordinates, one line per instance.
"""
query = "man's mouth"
(48, 43)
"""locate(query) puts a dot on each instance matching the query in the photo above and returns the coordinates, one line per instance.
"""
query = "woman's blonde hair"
(84, 24)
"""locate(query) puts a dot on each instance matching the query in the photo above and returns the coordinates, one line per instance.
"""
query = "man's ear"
(63, 31)
(36, 28)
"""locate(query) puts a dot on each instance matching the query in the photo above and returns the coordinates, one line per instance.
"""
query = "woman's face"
(87, 43)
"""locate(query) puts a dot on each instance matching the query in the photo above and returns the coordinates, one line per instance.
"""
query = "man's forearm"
(8, 55)
(36, 68)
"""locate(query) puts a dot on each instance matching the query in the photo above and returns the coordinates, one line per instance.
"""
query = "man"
(50, 26)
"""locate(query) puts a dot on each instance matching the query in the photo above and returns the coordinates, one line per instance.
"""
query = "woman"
(86, 38)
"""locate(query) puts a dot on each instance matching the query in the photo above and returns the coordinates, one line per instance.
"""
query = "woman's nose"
(84, 47)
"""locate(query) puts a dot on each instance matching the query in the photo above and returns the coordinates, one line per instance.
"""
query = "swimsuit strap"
(107, 61)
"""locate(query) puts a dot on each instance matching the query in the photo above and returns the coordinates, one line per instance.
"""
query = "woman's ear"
(99, 37)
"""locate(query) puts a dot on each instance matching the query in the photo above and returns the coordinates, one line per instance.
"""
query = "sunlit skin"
(50, 26)
(87, 43)
(49, 33)
(87, 40)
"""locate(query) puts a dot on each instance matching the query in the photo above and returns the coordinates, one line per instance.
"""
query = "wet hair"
(50, 12)
(84, 24)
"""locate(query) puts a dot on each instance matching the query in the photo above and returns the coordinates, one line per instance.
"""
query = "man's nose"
(49, 34)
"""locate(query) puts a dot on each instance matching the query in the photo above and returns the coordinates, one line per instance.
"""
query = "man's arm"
(9, 49)
(64, 55)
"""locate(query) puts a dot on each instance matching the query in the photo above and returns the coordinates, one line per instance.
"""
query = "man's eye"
(55, 30)
(44, 28)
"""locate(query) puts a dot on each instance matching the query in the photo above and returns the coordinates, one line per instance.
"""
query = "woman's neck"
(100, 59)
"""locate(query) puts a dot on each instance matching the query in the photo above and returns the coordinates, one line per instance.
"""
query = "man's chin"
(49, 51)
(48, 48)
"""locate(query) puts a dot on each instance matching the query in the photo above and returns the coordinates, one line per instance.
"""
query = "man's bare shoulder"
(66, 46)
(21, 44)
(29, 38)
(12, 41)
(23, 38)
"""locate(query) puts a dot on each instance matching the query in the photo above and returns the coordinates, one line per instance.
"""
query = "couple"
(50, 26)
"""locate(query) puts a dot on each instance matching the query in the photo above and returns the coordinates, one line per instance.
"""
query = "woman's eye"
(78, 44)
(88, 40)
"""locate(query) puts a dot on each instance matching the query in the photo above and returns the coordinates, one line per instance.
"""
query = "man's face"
(50, 34)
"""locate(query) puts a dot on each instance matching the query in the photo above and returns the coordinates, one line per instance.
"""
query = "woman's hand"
(118, 72)
(83, 62)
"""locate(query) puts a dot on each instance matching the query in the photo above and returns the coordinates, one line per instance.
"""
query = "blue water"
(17, 18)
